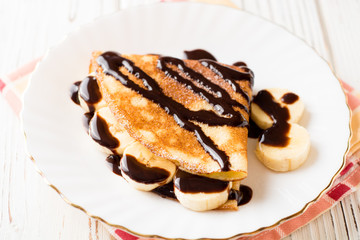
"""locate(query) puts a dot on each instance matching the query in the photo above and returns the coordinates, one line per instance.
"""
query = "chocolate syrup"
(140, 172)
(276, 135)
(114, 159)
(89, 90)
(214, 94)
(254, 130)
(198, 54)
(242, 196)
(235, 195)
(289, 98)
(110, 62)
(86, 120)
(101, 134)
(166, 191)
(240, 64)
(190, 183)
(74, 92)
(231, 75)
(246, 193)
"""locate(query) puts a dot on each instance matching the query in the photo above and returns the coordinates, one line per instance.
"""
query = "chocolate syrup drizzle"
(198, 54)
(231, 75)
(89, 90)
(74, 92)
(86, 120)
(217, 95)
(254, 130)
(140, 172)
(110, 62)
(240, 64)
(276, 135)
(101, 134)
(166, 190)
(289, 98)
(115, 161)
(242, 196)
(190, 183)
(247, 194)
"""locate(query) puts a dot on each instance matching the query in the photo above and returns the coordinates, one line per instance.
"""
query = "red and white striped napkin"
(12, 87)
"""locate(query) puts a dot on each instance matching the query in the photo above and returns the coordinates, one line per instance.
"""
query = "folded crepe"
(191, 112)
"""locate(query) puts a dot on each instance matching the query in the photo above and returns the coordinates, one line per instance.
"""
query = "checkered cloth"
(347, 181)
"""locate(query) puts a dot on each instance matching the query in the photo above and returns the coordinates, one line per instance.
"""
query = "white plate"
(69, 160)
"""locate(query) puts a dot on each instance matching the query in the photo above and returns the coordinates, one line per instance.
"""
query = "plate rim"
(185, 2)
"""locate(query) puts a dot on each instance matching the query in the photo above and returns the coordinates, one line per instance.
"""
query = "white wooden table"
(30, 209)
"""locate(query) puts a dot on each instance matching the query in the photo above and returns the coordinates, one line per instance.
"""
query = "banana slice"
(200, 193)
(286, 99)
(286, 158)
(143, 170)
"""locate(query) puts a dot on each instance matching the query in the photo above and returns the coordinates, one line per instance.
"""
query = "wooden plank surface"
(29, 209)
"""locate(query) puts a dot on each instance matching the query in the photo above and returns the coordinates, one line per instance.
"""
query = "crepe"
(191, 112)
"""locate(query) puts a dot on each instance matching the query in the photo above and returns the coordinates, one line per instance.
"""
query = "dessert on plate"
(175, 127)
(283, 145)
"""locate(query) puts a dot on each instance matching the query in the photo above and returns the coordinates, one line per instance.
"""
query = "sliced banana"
(201, 201)
(143, 170)
(200, 193)
(286, 158)
(286, 99)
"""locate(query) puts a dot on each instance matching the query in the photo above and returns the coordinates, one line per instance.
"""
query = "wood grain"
(29, 209)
